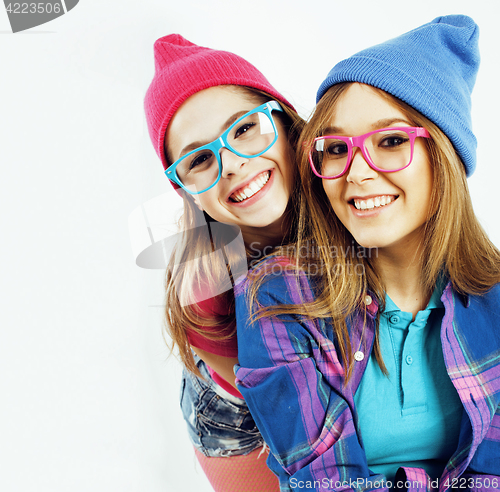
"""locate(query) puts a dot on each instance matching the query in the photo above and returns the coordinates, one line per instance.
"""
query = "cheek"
(333, 191)
(206, 201)
(423, 185)
(430, 209)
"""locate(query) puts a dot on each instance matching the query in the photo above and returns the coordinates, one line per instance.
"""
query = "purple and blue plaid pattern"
(294, 385)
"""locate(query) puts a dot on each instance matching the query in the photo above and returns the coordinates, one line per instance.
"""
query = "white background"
(89, 400)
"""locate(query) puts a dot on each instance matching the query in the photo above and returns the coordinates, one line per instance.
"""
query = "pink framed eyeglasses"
(387, 150)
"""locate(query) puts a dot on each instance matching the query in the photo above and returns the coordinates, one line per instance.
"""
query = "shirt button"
(409, 360)
(367, 300)
(394, 320)
(359, 356)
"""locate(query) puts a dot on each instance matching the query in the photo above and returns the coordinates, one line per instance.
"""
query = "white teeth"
(371, 203)
(256, 185)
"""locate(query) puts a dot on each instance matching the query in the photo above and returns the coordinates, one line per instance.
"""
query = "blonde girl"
(389, 375)
(226, 139)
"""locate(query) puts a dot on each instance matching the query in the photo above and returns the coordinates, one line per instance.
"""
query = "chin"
(369, 243)
(260, 224)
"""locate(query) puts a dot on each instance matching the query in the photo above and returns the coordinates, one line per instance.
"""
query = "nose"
(231, 163)
(359, 170)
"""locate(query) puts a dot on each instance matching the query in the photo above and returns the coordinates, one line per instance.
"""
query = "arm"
(220, 355)
(292, 380)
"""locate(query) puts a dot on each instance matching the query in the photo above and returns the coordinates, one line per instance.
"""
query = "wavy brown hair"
(454, 245)
(192, 271)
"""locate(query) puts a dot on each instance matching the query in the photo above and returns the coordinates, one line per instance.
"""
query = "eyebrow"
(384, 123)
(199, 143)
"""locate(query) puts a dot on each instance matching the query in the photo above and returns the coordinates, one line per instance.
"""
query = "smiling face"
(252, 192)
(381, 210)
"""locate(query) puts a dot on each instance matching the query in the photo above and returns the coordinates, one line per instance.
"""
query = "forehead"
(361, 105)
(202, 116)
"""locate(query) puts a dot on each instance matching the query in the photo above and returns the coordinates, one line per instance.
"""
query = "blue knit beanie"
(432, 68)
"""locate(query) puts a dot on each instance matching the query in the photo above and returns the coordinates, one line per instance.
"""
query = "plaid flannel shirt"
(293, 382)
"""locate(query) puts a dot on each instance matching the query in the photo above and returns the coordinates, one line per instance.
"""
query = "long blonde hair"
(193, 269)
(454, 243)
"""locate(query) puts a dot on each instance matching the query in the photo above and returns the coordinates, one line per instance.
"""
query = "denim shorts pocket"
(219, 424)
(222, 413)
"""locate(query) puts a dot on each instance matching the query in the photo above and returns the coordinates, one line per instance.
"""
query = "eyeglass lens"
(389, 150)
(249, 136)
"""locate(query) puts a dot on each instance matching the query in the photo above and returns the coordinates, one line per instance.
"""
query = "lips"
(249, 189)
(373, 202)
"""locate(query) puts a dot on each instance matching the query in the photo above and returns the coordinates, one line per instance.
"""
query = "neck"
(400, 272)
(263, 239)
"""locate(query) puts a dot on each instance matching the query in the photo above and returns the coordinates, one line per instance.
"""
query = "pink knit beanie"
(182, 69)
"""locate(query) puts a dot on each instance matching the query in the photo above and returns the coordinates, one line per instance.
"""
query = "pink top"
(225, 348)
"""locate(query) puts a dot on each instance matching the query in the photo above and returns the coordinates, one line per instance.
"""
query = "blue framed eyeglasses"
(249, 136)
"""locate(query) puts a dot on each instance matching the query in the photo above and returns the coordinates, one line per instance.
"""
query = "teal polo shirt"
(412, 417)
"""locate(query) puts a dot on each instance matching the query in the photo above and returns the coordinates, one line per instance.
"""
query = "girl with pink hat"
(226, 139)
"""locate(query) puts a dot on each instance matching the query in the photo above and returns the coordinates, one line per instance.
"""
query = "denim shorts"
(219, 424)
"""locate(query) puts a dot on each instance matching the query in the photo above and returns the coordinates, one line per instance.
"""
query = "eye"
(393, 141)
(201, 161)
(244, 128)
(336, 148)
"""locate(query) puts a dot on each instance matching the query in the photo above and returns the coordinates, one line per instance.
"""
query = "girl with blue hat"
(373, 361)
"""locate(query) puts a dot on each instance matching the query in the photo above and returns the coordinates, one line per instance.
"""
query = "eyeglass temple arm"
(274, 105)
(422, 132)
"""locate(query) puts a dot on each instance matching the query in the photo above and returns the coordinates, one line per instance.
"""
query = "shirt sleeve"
(483, 472)
(293, 383)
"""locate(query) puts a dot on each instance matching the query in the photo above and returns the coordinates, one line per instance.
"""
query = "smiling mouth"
(371, 203)
(251, 188)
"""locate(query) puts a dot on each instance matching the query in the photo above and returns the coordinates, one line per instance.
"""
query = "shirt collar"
(464, 298)
(434, 302)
